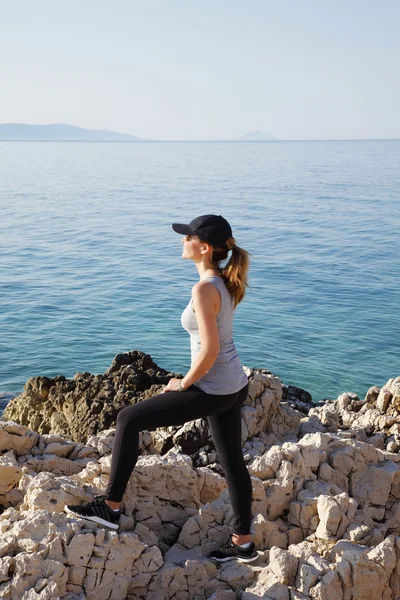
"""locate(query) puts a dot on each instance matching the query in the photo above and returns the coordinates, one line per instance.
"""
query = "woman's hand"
(173, 385)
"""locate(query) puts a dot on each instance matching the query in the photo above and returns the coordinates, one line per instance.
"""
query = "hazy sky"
(215, 69)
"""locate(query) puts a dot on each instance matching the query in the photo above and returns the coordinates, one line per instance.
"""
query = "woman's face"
(192, 247)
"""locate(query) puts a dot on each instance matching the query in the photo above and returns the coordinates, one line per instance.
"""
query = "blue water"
(90, 266)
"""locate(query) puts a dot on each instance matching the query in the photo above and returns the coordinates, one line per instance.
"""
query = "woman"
(215, 387)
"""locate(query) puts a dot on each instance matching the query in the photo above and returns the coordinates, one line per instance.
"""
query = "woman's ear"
(206, 249)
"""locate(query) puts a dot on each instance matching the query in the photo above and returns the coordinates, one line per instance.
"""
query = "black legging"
(176, 408)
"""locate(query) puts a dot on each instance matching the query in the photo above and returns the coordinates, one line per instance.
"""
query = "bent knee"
(125, 415)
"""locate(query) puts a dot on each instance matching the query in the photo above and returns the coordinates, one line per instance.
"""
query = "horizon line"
(233, 140)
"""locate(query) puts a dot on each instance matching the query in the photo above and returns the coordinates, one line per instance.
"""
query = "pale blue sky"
(183, 69)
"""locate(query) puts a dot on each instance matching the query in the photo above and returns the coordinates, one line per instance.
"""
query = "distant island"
(60, 132)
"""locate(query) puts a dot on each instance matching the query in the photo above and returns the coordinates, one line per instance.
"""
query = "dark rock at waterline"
(5, 398)
(297, 398)
(80, 407)
(87, 404)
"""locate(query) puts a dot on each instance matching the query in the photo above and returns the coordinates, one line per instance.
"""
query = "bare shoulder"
(206, 296)
(202, 287)
(204, 290)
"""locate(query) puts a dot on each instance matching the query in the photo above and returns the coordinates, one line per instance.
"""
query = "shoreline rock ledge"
(326, 495)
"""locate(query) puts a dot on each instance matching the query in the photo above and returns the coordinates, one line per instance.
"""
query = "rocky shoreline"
(5, 398)
(326, 495)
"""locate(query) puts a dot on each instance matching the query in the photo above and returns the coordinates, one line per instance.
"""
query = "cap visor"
(181, 228)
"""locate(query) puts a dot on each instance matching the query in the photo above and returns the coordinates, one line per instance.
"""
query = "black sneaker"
(230, 551)
(97, 511)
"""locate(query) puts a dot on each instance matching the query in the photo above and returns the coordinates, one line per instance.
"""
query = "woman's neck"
(209, 273)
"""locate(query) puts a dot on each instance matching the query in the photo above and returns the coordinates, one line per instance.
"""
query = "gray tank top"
(226, 375)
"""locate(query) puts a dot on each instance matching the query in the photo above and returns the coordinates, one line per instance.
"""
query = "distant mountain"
(69, 133)
(60, 132)
(256, 136)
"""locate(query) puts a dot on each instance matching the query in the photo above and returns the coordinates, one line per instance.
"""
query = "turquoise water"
(90, 266)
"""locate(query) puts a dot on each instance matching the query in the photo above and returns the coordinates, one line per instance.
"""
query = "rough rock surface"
(326, 508)
(375, 420)
(87, 404)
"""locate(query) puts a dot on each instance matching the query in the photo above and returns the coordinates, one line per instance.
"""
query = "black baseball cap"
(210, 228)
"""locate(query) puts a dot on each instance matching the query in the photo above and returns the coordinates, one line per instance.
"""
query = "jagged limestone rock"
(326, 510)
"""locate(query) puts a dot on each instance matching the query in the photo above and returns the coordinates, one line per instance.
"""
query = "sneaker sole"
(92, 519)
(239, 558)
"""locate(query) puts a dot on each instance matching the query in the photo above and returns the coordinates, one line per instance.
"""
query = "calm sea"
(90, 266)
